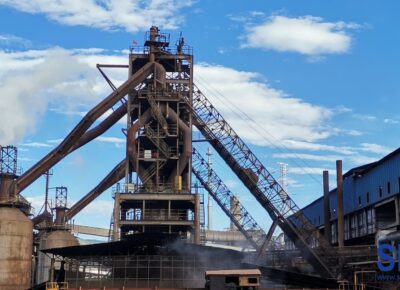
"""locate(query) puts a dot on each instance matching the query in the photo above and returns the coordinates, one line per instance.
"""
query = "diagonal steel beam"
(72, 138)
(113, 177)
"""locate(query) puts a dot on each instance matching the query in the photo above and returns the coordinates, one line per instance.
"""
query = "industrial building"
(157, 235)
(370, 203)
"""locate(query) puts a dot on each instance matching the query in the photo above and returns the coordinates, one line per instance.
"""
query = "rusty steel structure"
(260, 182)
(15, 227)
(162, 104)
(159, 144)
(214, 185)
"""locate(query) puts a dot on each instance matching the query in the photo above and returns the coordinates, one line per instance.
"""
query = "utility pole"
(209, 202)
(283, 170)
(47, 174)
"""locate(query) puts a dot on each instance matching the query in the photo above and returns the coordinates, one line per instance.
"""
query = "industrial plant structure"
(370, 204)
(157, 237)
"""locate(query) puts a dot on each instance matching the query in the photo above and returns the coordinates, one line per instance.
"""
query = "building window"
(333, 233)
(361, 223)
(359, 200)
(367, 197)
(370, 221)
(388, 187)
(346, 228)
(380, 191)
(353, 226)
(399, 183)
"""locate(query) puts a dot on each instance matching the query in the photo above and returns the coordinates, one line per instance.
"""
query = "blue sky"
(319, 81)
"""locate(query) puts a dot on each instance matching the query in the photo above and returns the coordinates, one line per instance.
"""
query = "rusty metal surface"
(15, 249)
(254, 175)
(101, 128)
(245, 223)
(63, 149)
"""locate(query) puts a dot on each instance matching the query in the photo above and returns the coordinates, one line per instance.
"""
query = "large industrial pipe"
(327, 215)
(187, 145)
(132, 152)
(106, 124)
(114, 176)
(62, 150)
(340, 212)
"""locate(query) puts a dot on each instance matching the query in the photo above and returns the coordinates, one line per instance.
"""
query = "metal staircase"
(158, 142)
(246, 224)
(146, 176)
(156, 112)
(268, 192)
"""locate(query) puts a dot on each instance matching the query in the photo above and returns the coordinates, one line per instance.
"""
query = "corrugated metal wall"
(357, 188)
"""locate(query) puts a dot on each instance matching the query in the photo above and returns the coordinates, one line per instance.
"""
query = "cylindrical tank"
(56, 239)
(16, 233)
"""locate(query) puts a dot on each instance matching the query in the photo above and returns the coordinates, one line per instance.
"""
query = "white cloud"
(110, 139)
(370, 118)
(355, 159)
(375, 148)
(118, 142)
(391, 121)
(31, 80)
(272, 110)
(130, 15)
(307, 35)
(25, 94)
(310, 170)
(54, 141)
(353, 132)
(35, 145)
(294, 144)
(312, 157)
(9, 40)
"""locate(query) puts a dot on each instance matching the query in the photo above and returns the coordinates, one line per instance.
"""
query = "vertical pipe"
(340, 213)
(128, 177)
(326, 206)
(197, 219)
(116, 216)
(46, 198)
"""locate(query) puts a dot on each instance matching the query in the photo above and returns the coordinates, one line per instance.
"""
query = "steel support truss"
(264, 187)
(246, 224)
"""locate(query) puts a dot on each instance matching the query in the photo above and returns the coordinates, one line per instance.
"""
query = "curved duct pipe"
(132, 152)
(91, 134)
(187, 142)
(159, 75)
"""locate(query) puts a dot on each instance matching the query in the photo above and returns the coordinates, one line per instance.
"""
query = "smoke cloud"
(26, 91)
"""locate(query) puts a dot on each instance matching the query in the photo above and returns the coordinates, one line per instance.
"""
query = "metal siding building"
(371, 200)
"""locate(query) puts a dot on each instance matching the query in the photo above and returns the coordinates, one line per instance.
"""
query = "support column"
(327, 215)
(143, 210)
(267, 240)
(340, 211)
(197, 219)
(117, 202)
